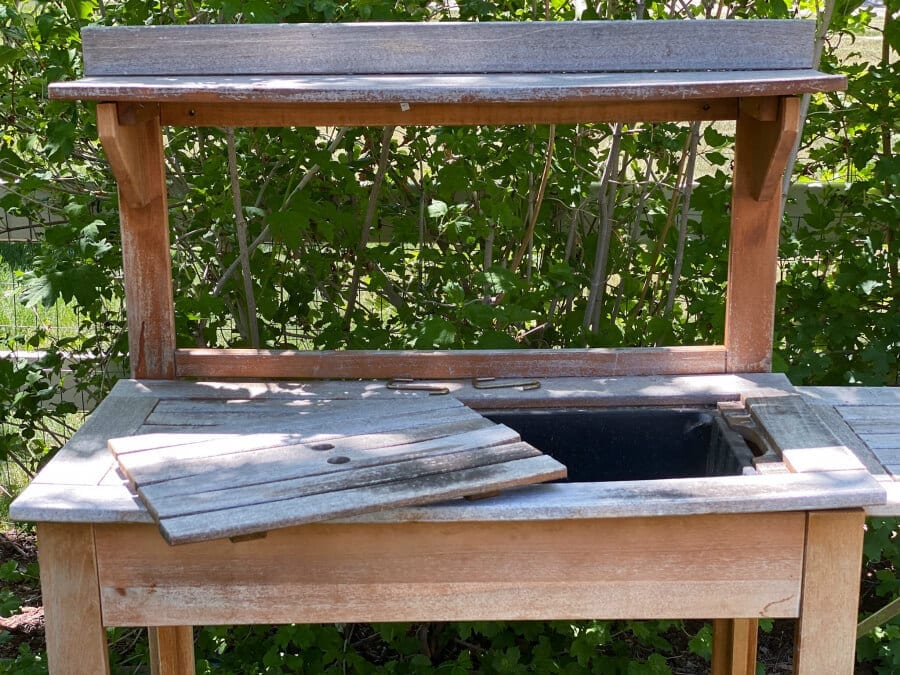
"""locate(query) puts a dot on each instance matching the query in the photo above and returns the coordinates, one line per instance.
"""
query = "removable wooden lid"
(207, 469)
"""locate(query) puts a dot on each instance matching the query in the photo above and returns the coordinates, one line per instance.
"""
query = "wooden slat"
(883, 441)
(85, 460)
(556, 569)
(847, 436)
(47, 503)
(854, 396)
(267, 490)
(76, 639)
(826, 633)
(870, 413)
(273, 429)
(554, 111)
(200, 446)
(202, 412)
(422, 490)
(284, 463)
(168, 464)
(875, 426)
(605, 391)
(451, 89)
(448, 364)
(496, 47)
(804, 442)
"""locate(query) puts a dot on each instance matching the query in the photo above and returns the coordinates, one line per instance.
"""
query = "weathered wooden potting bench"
(781, 540)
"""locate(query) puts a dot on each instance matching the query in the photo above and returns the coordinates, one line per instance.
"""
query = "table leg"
(171, 650)
(734, 646)
(76, 638)
(826, 630)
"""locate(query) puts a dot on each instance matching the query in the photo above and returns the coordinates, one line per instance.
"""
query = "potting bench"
(782, 541)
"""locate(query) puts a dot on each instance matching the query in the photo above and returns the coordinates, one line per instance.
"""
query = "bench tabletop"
(84, 484)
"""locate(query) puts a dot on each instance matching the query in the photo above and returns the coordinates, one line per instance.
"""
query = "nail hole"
(340, 459)
(192, 112)
(321, 447)
(706, 106)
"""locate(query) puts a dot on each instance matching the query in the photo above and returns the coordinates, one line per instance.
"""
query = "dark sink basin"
(610, 444)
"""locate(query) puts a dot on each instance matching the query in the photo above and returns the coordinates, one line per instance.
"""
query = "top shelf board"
(449, 63)
(448, 89)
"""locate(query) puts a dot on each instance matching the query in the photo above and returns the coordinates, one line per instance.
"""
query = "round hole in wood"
(340, 459)
(321, 447)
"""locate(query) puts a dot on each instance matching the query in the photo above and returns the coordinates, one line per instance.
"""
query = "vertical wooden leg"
(171, 650)
(734, 646)
(826, 631)
(76, 638)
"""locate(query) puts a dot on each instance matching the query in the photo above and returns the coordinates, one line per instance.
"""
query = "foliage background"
(600, 235)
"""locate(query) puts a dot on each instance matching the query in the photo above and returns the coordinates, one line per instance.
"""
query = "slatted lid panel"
(208, 469)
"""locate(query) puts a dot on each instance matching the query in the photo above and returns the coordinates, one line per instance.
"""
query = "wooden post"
(171, 650)
(132, 140)
(766, 130)
(135, 153)
(734, 646)
(826, 632)
(76, 638)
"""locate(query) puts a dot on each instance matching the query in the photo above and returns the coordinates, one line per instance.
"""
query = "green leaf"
(437, 209)
(289, 226)
(436, 333)
(9, 55)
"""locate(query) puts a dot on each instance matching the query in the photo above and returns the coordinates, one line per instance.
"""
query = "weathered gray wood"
(449, 89)
(853, 396)
(882, 441)
(301, 431)
(425, 489)
(888, 456)
(891, 505)
(804, 442)
(848, 436)
(706, 495)
(863, 426)
(198, 408)
(870, 413)
(44, 502)
(85, 460)
(682, 496)
(554, 391)
(397, 473)
(435, 47)
(286, 462)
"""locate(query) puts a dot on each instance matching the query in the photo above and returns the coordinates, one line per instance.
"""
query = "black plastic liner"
(610, 444)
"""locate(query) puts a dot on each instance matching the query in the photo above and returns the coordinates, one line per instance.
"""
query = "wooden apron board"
(228, 468)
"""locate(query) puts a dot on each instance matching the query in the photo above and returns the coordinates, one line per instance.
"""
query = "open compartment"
(634, 443)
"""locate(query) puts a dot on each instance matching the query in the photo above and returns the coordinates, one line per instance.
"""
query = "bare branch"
(371, 208)
(244, 252)
(687, 188)
(536, 206)
(266, 232)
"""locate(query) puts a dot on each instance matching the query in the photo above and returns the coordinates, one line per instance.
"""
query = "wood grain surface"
(557, 569)
(494, 47)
